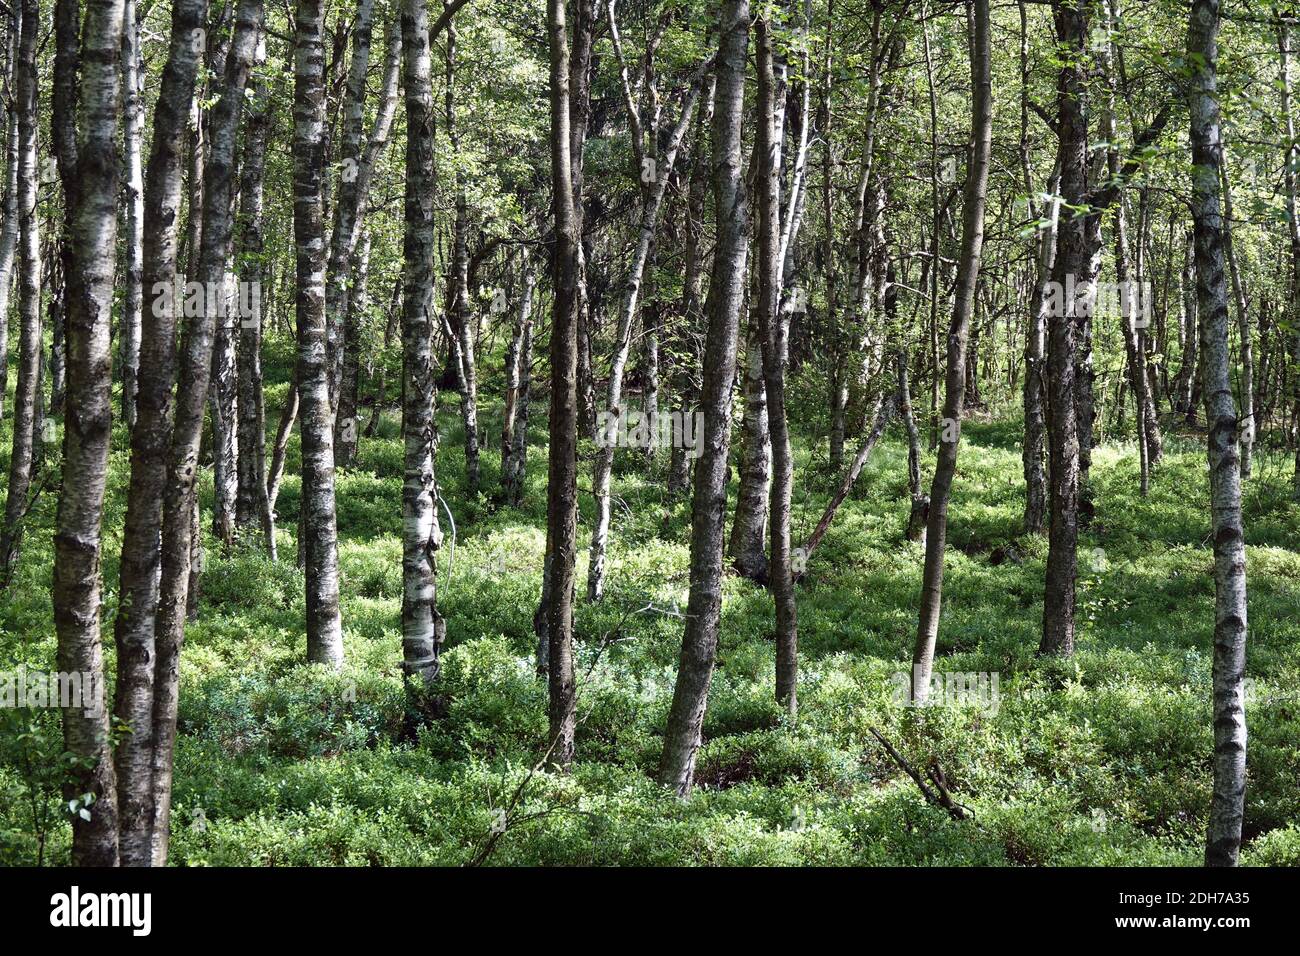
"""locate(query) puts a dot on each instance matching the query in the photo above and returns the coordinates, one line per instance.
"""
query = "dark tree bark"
(1227, 805)
(519, 361)
(968, 270)
(9, 227)
(459, 313)
(772, 332)
(562, 488)
(27, 394)
(133, 210)
(252, 505)
(682, 736)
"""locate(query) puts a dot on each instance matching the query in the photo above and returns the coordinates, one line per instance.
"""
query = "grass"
(1101, 759)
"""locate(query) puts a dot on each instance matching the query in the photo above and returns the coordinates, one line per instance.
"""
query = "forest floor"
(1100, 759)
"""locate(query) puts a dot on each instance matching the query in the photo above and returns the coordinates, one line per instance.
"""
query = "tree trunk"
(252, 506)
(748, 543)
(968, 269)
(682, 736)
(652, 202)
(350, 210)
(423, 628)
(91, 225)
(320, 529)
(562, 488)
(772, 333)
(133, 202)
(1070, 271)
(138, 587)
(179, 530)
(9, 228)
(519, 361)
(27, 394)
(1227, 805)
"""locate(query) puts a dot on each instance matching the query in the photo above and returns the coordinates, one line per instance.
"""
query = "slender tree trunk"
(972, 240)
(92, 227)
(1227, 805)
(27, 394)
(772, 337)
(1069, 271)
(748, 543)
(562, 488)
(652, 202)
(138, 587)
(280, 450)
(423, 628)
(519, 361)
(884, 413)
(179, 530)
(1293, 226)
(320, 528)
(9, 228)
(252, 506)
(344, 236)
(133, 203)
(1248, 422)
(350, 210)
(682, 736)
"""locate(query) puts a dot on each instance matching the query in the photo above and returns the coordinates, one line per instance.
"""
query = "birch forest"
(649, 432)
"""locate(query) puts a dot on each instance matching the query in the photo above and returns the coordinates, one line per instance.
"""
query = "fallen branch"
(943, 798)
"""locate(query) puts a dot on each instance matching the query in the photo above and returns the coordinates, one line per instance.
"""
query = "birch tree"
(1228, 802)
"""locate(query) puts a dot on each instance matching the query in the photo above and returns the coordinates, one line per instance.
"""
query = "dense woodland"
(650, 431)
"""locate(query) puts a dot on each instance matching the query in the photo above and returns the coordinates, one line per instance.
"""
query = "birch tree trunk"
(252, 504)
(1070, 266)
(345, 434)
(1293, 222)
(346, 231)
(320, 527)
(652, 203)
(708, 509)
(459, 314)
(180, 529)
(1248, 423)
(9, 202)
(968, 269)
(92, 228)
(27, 393)
(519, 361)
(133, 202)
(1227, 805)
(423, 628)
(138, 585)
(772, 339)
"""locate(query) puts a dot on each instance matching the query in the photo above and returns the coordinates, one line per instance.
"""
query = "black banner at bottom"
(215, 906)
